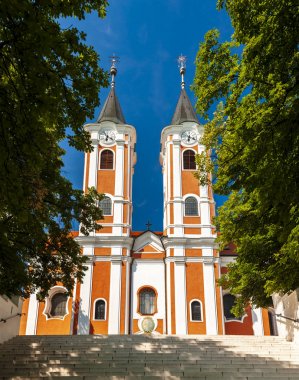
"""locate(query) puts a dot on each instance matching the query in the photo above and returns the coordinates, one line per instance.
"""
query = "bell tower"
(109, 168)
(191, 258)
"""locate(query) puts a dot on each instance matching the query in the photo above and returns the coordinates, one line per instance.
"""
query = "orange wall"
(100, 289)
(238, 328)
(54, 326)
(195, 290)
(102, 251)
(189, 183)
(189, 252)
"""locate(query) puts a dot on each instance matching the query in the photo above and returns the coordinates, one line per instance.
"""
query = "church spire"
(111, 110)
(184, 110)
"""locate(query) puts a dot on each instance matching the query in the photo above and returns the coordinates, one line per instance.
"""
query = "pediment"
(148, 242)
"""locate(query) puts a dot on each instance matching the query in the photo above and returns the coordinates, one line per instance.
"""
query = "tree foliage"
(255, 136)
(49, 85)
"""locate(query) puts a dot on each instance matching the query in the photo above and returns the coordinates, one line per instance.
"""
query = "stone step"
(146, 357)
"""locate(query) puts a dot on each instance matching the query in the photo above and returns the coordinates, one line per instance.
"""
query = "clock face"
(189, 137)
(107, 137)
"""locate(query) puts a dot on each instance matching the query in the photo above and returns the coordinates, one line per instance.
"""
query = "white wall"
(152, 274)
(288, 306)
(10, 328)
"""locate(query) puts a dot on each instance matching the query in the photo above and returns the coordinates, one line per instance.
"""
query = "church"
(146, 282)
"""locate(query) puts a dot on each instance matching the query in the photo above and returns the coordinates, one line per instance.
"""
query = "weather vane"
(182, 66)
(113, 70)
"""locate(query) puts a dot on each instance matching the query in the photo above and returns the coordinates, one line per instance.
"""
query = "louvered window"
(191, 206)
(147, 301)
(99, 312)
(106, 206)
(228, 303)
(189, 160)
(58, 305)
(106, 159)
(196, 311)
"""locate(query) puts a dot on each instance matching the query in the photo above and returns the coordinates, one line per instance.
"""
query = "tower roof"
(184, 110)
(111, 110)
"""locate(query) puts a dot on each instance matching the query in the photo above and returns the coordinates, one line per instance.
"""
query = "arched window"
(58, 305)
(228, 303)
(147, 301)
(100, 310)
(106, 206)
(189, 159)
(191, 206)
(106, 159)
(196, 311)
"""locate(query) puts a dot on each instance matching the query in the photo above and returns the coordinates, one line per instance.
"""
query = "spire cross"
(148, 224)
(113, 70)
(182, 66)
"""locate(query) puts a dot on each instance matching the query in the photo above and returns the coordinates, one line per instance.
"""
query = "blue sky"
(148, 36)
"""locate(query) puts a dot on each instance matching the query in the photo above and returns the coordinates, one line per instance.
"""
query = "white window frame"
(112, 204)
(94, 309)
(198, 204)
(224, 293)
(190, 310)
(48, 304)
(113, 164)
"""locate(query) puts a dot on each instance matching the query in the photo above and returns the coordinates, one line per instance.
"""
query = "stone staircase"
(149, 357)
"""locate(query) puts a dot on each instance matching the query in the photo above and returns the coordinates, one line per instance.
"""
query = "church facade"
(140, 282)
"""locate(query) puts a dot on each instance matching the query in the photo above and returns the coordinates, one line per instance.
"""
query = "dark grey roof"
(112, 110)
(184, 110)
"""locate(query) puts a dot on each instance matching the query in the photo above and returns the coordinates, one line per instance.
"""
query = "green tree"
(49, 84)
(255, 137)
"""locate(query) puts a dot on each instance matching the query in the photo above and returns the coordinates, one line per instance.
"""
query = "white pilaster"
(128, 271)
(119, 188)
(180, 297)
(168, 298)
(93, 162)
(205, 212)
(115, 297)
(32, 315)
(257, 321)
(177, 188)
(85, 297)
(210, 298)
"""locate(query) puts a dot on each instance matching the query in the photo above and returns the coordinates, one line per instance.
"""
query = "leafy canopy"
(49, 84)
(255, 136)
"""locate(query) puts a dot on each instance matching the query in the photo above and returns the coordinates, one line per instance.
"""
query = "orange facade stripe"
(76, 308)
(123, 297)
(218, 301)
(24, 316)
(172, 296)
(266, 323)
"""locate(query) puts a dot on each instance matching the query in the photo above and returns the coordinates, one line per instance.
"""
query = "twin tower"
(159, 283)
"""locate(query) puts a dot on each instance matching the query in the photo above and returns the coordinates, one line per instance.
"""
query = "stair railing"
(11, 316)
(290, 319)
